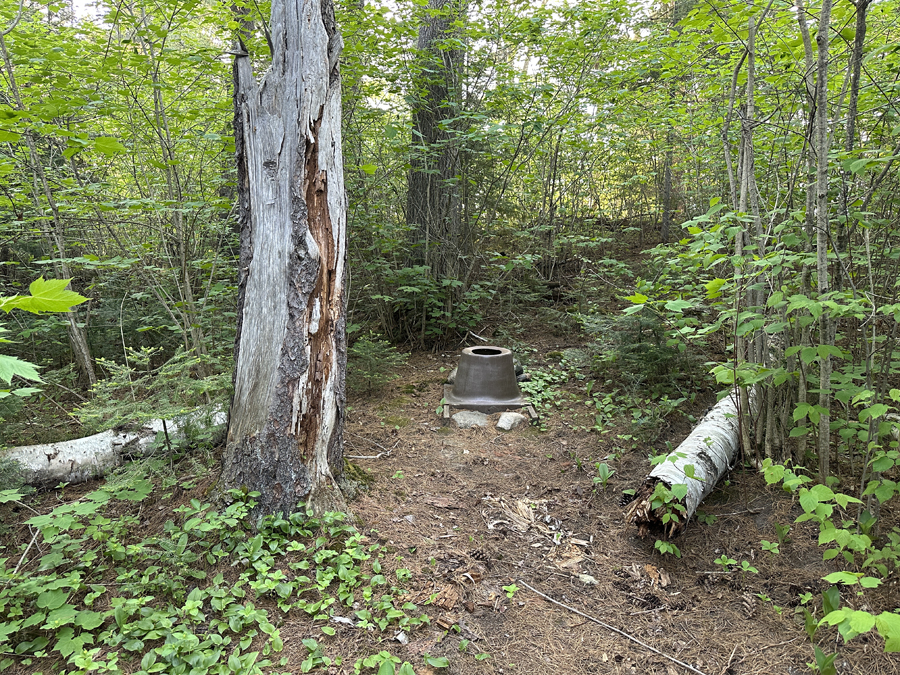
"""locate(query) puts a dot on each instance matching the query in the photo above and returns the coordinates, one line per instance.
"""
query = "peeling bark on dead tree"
(711, 448)
(286, 419)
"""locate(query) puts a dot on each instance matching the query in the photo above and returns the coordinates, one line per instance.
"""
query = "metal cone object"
(485, 381)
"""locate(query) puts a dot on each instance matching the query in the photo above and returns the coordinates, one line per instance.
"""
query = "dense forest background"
(497, 156)
(706, 193)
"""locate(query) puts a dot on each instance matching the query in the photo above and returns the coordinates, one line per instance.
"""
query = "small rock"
(410, 518)
(587, 579)
(466, 419)
(510, 420)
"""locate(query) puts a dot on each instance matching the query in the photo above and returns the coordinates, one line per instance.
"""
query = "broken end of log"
(647, 519)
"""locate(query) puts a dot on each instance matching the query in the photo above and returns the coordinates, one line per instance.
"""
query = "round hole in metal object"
(486, 381)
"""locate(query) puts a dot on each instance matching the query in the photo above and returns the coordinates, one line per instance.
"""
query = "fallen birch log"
(690, 472)
(82, 459)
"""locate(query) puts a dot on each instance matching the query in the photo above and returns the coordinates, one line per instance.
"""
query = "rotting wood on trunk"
(321, 313)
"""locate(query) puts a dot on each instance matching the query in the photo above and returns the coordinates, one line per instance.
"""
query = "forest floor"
(442, 498)
(485, 520)
(480, 517)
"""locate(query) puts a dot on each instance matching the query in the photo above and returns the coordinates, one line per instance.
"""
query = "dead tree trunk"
(287, 414)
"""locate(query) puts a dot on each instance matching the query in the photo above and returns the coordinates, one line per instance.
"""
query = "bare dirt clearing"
(473, 520)
(447, 499)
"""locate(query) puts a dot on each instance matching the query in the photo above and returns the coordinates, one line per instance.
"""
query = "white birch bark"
(711, 449)
(82, 459)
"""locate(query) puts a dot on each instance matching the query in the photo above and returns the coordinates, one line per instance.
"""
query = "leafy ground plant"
(94, 595)
(848, 540)
(604, 473)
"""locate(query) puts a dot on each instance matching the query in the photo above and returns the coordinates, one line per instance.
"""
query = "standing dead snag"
(699, 463)
(286, 418)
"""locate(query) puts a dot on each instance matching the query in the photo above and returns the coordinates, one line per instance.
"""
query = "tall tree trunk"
(287, 414)
(856, 57)
(823, 142)
(434, 211)
(667, 185)
(804, 332)
(743, 350)
(666, 224)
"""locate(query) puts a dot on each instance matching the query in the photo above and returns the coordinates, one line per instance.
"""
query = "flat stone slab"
(510, 420)
(466, 419)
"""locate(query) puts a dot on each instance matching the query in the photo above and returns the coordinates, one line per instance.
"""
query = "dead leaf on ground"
(446, 598)
(442, 502)
(571, 563)
(566, 557)
(471, 575)
(664, 578)
(446, 622)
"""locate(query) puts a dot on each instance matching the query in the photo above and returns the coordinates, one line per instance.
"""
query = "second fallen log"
(673, 490)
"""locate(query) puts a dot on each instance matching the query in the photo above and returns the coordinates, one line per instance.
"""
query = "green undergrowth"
(868, 557)
(94, 592)
(588, 404)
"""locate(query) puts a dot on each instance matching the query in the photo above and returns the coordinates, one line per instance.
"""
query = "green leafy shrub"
(643, 353)
(418, 309)
(103, 596)
(136, 392)
(44, 296)
(847, 538)
(372, 363)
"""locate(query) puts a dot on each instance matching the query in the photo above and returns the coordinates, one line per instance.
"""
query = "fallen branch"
(738, 513)
(22, 559)
(81, 459)
(614, 630)
(387, 453)
(369, 440)
(699, 463)
(730, 659)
